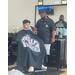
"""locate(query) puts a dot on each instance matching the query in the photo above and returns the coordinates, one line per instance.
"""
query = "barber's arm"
(36, 26)
(53, 28)
(53, 36)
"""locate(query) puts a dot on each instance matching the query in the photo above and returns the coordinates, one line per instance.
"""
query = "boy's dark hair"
(26, 21)
(43, 11)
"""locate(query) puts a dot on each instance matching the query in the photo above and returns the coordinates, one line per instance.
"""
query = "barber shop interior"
(37, 37)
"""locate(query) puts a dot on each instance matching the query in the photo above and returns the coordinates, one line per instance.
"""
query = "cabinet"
(56, 58)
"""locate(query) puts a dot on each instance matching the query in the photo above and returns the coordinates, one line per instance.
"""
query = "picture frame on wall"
(63, 1)
(40, 2)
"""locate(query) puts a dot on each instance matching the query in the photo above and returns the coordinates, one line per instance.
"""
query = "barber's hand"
(52, 40)
(34, 29)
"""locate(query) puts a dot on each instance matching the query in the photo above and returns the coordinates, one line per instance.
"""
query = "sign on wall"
(40, 2)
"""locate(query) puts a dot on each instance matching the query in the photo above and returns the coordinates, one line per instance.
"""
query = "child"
(31, 50)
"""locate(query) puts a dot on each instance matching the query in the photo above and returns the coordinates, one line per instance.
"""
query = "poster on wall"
(63, 1)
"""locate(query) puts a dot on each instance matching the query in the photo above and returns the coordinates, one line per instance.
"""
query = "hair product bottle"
(17, 29)
(13, 29)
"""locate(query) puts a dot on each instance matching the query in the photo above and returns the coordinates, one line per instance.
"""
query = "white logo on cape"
(31, 43)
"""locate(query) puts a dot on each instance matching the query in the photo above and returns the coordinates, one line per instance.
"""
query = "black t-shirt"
(45, 28)
(61, 24)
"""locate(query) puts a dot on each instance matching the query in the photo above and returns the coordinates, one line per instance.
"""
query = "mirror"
(58, 10)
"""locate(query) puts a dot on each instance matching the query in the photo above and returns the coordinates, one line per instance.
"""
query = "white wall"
(51, 2)
(58, 10)
(18, 10)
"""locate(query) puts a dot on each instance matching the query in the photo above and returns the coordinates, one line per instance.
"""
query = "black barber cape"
(31, 50)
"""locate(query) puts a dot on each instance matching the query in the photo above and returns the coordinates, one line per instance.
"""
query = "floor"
(64, 69)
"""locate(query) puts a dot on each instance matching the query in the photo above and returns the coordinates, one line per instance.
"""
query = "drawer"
(53, 63)
(53, 52)
(55, 45)
(54, 58)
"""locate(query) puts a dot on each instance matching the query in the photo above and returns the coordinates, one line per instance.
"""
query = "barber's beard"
(43, 18)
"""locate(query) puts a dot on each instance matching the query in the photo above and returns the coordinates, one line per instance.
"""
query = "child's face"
(26, 25)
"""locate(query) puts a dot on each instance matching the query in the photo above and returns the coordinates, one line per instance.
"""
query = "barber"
(46, 30)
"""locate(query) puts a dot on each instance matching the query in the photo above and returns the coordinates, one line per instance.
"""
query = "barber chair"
(10, 54)
(11, 57)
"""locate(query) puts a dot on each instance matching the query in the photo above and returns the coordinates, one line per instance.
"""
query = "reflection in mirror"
(58, 10)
